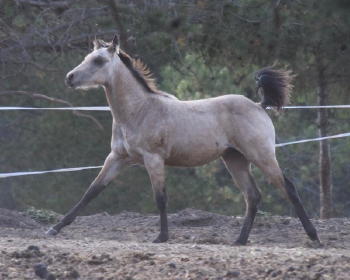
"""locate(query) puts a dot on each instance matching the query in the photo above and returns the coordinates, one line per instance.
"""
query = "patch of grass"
(42, 215)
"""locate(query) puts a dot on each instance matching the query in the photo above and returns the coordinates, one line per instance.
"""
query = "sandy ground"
(200, 247)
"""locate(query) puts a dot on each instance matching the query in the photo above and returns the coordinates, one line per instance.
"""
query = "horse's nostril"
(70, 77)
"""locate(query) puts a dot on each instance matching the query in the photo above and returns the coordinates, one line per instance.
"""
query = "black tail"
(276, 86)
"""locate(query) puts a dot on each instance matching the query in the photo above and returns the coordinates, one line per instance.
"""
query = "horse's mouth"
(71, 84)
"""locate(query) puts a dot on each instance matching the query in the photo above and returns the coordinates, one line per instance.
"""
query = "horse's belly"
(196, 153)
(188, 162)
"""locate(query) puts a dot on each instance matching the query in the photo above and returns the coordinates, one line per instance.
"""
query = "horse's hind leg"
(110, 170)
(272, 170)
(239, 168)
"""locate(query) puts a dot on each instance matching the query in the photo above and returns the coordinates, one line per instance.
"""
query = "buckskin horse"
(155, 129)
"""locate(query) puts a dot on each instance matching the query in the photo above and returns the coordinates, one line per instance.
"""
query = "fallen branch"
(52, 99)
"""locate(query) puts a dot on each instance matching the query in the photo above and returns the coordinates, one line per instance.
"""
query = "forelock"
(98, 43)
(99, 52)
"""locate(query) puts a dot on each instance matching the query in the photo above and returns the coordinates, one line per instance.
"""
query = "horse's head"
(96, 68)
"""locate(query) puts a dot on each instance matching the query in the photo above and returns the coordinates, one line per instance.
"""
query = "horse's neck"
(125, 96)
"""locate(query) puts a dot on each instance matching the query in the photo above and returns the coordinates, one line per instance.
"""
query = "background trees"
(196, 49)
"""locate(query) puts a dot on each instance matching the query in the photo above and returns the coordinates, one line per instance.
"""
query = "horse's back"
(227, 110)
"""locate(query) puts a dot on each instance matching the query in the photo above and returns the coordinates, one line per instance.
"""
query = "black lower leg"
(253, 198)
(91, 193)
(161, 200)
(299, 209)
(247, 226)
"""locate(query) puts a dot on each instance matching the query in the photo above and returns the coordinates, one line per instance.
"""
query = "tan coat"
(154, 129)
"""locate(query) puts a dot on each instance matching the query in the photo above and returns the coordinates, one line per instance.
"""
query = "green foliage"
(43, 216)
(197, 49)
(202, 80)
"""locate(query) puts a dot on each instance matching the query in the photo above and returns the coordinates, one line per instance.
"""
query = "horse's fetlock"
(312, 233)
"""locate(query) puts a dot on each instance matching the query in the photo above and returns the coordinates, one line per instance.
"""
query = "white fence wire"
(98, 108)
(103, 108)
(15, 174)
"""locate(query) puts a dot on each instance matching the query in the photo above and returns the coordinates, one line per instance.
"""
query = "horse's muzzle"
(69, 79)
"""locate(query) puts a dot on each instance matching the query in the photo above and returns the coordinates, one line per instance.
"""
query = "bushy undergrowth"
(42, 215)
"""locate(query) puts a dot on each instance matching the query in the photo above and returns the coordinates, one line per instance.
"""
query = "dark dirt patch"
(13, 219)
(102, 246)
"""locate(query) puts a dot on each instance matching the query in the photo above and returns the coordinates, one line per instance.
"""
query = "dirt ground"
(200, 247)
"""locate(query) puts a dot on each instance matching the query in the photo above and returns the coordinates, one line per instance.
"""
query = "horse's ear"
(114, 47)
(98, 44)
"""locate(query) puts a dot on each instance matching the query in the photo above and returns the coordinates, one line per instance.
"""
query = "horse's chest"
(129, 143)
(121, 142)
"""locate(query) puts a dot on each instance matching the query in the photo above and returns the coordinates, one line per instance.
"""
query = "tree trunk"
(325, 168)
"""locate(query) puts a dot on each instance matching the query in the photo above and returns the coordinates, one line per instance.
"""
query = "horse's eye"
(99, 61)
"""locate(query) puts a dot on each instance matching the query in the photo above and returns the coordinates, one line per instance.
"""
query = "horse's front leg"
(155, 168)
(109, 171)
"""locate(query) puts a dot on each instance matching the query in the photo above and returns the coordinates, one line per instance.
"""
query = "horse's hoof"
(315, 244)
(161, 238)
(239, 243)
(51, 232)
